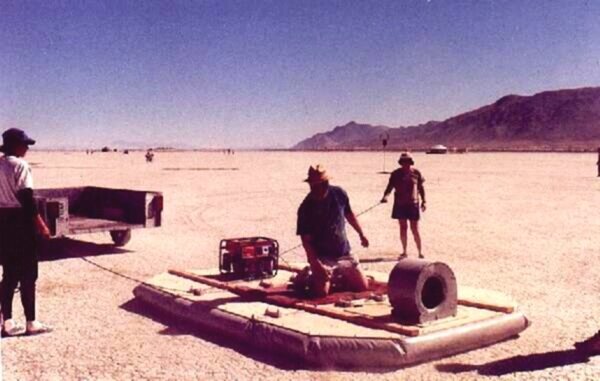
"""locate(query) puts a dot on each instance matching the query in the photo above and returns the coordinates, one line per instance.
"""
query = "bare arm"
(422, 194)
(388, 190)
(41, 227)
(353, 221)
(311, 255)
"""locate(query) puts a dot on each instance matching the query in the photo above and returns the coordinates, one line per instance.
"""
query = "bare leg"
(414, 228)
(354, 279)
(403, 235)
(319, 287)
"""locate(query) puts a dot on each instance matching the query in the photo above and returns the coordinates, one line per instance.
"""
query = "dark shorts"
(406, 212)
(346, 261)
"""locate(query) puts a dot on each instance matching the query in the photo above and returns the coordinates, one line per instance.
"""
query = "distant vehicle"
(438, 149)
(69, 211)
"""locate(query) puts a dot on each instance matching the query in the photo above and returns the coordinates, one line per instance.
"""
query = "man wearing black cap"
(20, 222)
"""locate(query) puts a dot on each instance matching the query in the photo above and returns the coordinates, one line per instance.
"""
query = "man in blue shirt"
(321, 226)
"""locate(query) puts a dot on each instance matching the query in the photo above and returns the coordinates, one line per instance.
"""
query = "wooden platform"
(474, 304)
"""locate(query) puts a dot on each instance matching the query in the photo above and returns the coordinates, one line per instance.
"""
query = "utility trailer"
(88, 209)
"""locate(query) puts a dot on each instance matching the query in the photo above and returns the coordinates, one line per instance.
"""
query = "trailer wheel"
(120, 237)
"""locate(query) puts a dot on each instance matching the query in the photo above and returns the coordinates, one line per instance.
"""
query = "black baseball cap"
(14, 136)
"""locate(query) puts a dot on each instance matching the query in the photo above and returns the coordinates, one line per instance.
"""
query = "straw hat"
(317, 174)
(405, 157)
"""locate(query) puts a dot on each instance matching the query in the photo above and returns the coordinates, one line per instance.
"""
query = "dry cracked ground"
(524, 224)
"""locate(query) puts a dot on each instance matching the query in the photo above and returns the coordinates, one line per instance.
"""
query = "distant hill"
(351, 135)
(551, 120)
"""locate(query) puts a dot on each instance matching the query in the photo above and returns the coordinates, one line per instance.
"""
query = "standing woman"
(20, 224)
(408, 185)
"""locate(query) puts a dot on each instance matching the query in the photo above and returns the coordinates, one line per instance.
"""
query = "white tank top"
(15, 174)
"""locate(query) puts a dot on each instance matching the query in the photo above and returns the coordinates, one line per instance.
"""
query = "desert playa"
(524, 224)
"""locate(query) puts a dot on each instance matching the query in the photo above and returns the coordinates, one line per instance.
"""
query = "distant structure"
(459, 150)
(598, 162)
(384, 137)
(438, 149)
(149, 156)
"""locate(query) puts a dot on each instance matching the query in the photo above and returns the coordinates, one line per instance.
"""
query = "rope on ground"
(136, 280)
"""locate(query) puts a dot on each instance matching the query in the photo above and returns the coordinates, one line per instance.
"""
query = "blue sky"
(270, 73)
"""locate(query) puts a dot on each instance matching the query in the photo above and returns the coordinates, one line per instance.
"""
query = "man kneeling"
(321, 226)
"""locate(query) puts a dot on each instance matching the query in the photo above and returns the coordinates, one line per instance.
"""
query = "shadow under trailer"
(88, 209)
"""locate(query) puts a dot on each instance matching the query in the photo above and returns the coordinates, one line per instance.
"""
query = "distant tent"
(438, 149)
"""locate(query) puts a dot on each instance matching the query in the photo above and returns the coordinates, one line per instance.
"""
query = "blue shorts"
(347, 261)
(406, 212)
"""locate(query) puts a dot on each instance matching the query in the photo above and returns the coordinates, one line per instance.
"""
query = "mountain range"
(566, 119)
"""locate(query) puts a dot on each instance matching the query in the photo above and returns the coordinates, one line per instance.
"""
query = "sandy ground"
(524, 224)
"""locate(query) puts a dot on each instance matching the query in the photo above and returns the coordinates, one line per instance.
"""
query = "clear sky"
(249, 73)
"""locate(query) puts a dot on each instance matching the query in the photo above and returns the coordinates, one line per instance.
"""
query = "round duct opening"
(433, 293)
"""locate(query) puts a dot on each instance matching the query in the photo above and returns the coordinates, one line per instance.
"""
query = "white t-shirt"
(15, 174)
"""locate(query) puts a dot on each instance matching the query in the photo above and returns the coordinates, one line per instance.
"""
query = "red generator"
(249, 258)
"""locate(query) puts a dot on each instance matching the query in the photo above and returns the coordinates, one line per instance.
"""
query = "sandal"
(12, 328)
(402, 256)
(37, 328)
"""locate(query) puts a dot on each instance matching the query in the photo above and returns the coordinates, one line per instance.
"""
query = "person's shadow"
(63, 248)
(520, 363)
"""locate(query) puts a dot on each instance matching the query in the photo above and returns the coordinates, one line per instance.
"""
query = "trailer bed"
(82, 225)
(80, 210)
